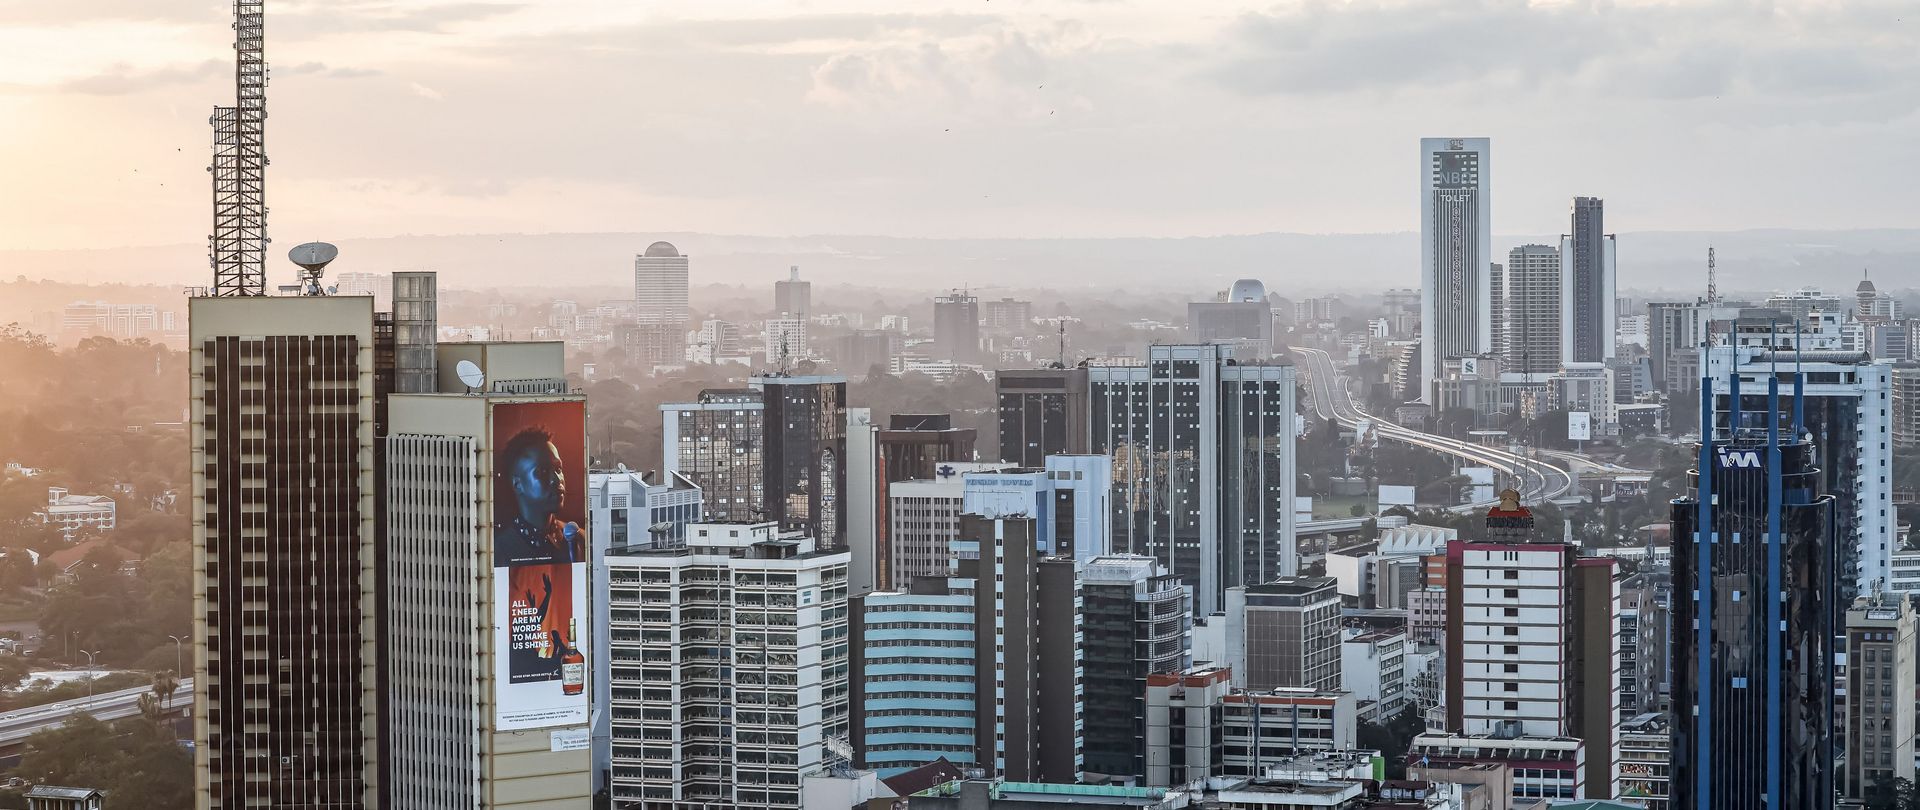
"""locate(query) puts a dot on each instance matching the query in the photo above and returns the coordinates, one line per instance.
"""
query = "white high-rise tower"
(1456, 254)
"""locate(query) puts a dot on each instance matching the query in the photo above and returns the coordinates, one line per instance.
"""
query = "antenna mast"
(1713, 286)
(238, 247)
(1063, 342)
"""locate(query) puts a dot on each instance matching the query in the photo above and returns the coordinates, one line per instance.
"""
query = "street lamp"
(178, 670)
(89, 654)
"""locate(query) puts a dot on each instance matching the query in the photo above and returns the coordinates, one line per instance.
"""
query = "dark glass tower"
(1756, 610)
(805, 449)
(1043, 412)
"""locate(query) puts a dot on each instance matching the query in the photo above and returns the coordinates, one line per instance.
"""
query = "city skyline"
(959, 120)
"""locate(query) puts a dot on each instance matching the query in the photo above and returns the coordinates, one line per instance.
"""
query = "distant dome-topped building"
(662, 250)
(1248, 289)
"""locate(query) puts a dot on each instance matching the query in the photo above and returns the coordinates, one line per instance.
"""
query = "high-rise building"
(1587, 319)
(1874, 306)
(730, 667)
(1203, 464)
(660, 283)
(793, 298)
(923, 520)
(486, 625)
(1881, 632)
(717, 442)
(1284, 633)
(914, 446)
(1136, 622)
(416, 332)
(286, 686)
(1533, 322)
(717, 342)
(1497, 309)
(784, 341)
(866, 504)
(956, 328)
(1905, 378)
(1243, 314)
(625, 509)
(981, 667)
(1675, 331)
(1532, 641)
(1006, 316)
(1456, 253)
(1849, 412)
(1757, 577)
(1373, 668)
(805, 447)
(1043, 412)
(864, 350)
(1199, 726)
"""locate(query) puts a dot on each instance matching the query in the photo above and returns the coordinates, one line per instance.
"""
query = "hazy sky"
(976, 118)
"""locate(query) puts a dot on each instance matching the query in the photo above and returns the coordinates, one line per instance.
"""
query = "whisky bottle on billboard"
(573, 665)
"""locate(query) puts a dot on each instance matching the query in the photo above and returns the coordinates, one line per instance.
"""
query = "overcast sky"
(977, 118)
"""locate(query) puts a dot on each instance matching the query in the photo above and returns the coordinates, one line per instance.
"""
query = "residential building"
(1373, 668)
(730, 676)
(717, 442)
(284, 541)
(915, 446)
(1675, 332)
(1456, 253)
(784, 342)
(1848, 410)
(956, 328)
(1587, 315)
(1879, 714)
(486, 624)
(981, 667)
(72, 513)
(1042, 412)
(1753, 680)
(793, 298)
(1203, 464)
(1533, 317)
(1532, 644)
(1136, 622)
(1284, 633)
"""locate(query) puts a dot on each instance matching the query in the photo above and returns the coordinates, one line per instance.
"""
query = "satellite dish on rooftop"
(470, 374)
(313, 258)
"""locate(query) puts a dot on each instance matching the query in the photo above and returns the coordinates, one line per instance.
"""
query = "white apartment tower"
(730, 665)
(1456, 254)
(660, 295)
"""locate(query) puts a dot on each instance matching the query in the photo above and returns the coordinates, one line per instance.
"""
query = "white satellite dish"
(470, 374)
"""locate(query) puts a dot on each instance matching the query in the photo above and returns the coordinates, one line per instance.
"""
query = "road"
(16, 726)
(1540, 480)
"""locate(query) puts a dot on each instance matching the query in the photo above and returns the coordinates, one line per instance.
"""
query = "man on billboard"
(536, 534)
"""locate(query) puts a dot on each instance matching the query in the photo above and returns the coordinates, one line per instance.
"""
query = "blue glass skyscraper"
(1756, 609)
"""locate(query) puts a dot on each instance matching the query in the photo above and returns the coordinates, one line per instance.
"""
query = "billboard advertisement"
(539, 565)
(1579, 426)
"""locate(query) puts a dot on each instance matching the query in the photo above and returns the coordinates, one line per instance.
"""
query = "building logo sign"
(1735, 459)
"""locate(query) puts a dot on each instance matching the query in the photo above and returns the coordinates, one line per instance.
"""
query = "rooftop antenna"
(1063, 342)
(313, 258)
(237, 250)
(1713, 285)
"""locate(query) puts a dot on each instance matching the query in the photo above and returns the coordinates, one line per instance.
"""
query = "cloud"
(425, 92)
(333, 18)
(41, 12)
(124, 80)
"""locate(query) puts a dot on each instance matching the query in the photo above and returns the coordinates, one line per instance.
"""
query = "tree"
(137, 761)
(1393, 739)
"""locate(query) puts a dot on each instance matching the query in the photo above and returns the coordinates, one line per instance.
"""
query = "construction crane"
(238, 247)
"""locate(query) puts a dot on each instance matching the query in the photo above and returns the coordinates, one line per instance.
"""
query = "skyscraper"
(1043, 412)
(1755, 612)
(660, 283)
(793, 298)
(1136, 621)
(717, 441)
(1849, 413)
(804, 454)
(1456, 254)
(1587, 322)
(286, 685)
(1675, 330)
(1533, 322)
(479, 663)
(1203, 464)
(956, 328)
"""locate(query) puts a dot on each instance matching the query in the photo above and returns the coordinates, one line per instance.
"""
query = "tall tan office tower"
(283, 493)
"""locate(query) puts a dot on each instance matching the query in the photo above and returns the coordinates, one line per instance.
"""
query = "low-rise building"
(1645, 758)
(72, 513)
(1547, 768)
(1373, 668)
(1199, 726)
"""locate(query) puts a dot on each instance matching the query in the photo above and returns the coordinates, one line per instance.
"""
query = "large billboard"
(539, 565)
(1579, 426)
